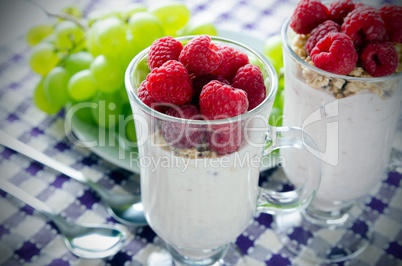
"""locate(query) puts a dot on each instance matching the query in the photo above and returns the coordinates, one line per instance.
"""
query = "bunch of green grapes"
(82, 61)
(273, 51)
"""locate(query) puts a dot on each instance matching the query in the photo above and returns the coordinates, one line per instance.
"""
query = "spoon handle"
(26, 198)
(14, 144)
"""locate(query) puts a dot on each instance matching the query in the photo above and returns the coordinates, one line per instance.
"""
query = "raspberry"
(200, 56)
(379, 59)
(219, 101)
(232, 60)
(249, 78)
(170, 83)
(183, 135)
(364, 25)
(200, 81)
(144, 96)
(335, 53)
(308, 15)
(187, 111)
(338, 10)
(319, 32)
(392, 17)
(226, 139)
(162, 50)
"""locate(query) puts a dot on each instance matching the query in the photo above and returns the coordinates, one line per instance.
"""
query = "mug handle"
(274, 202)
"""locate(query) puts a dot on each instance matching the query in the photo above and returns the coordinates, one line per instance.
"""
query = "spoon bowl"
(126, 208)
(90, 241)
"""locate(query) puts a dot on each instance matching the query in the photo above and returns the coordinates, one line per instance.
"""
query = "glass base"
(316, 236)
(208, 257)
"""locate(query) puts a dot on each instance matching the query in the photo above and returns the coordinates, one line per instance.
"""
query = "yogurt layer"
(354, 136)
(199, 203)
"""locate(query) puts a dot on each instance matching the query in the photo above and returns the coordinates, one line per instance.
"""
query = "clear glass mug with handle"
(196, 200)
(353, 121)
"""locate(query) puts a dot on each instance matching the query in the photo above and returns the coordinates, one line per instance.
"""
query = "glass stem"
(328, 218)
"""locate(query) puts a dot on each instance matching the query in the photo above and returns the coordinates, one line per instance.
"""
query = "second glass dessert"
(353, 120)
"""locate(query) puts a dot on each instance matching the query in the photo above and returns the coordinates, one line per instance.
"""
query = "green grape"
(108, 109)
(110, 35)
(78, 61)
(122, 13)
(198, 28)
(279, 100)
(273, 50)
(123, 95)
(73, 11)
(126, 129)
(281, 83)
(145, 29)
(55, 85)
(141, 71)
(100, 14)
(81, 110)
(128, 53)
(173, 14)
(275, 117)
(42, 102)
(131, 134)
(68, 35)
(130, 10)
(107, 73)
(255, 61)
(81, 86)
(37, 33)
(43, 58)
(50, 39)
(91, 45)
(128, 124)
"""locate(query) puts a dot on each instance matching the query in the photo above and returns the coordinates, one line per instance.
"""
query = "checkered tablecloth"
(27, 238)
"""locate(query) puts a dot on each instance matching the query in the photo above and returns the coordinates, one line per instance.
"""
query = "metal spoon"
(86, 241)
(125, 208)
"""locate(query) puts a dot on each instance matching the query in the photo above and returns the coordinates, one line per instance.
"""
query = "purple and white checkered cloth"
(26, 238)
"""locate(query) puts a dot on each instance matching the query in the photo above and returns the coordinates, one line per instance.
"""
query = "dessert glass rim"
(288, 48)
(271, 90)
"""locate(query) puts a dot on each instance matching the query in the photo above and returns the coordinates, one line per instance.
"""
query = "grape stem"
(61, 15)
(66, 54)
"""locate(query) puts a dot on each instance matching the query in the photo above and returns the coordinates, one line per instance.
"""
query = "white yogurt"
(199, 204)
(355, 155)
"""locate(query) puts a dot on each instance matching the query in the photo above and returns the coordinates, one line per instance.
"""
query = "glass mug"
(353, 121)
(198, 201)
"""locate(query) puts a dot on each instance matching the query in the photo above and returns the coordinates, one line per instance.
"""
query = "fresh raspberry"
(308, 15)
(219, 101)
(392, 17)
(319, 32)
(187, 111)
(200, 81)
(335, 53)
(232, 60)
(200, 56)
(183, 135)
(162, 50)
(226, 139)
(379, 59)
(338, 10)
(170, 83)
(364, 25)
(249, 78)
(143, 94)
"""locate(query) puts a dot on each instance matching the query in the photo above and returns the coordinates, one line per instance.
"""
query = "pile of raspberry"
(346, 35)
(201, 80)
